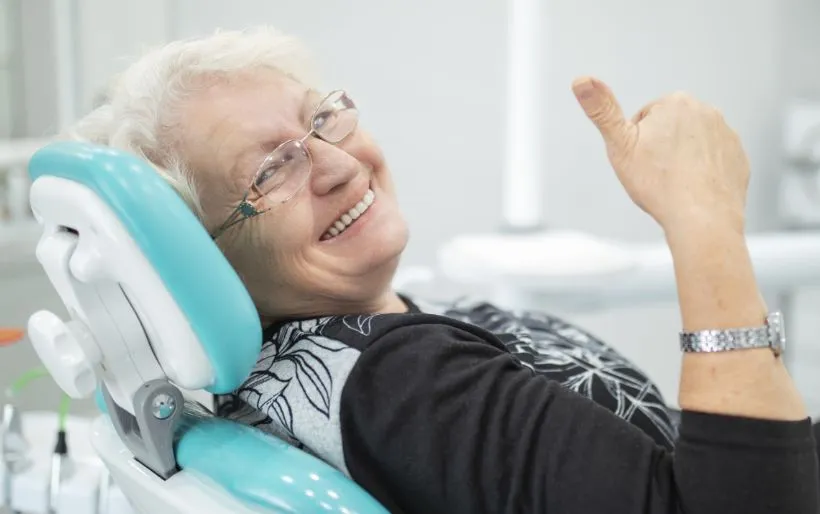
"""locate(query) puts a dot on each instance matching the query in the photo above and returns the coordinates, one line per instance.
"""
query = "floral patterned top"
(468, 408)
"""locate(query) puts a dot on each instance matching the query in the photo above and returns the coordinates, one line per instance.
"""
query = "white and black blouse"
(468, 408)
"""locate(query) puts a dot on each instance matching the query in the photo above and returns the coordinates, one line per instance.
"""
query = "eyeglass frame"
(247, 209)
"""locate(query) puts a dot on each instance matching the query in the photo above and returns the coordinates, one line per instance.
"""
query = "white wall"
(36, 103)
(109, 34)
(429, 76)
(5, 72)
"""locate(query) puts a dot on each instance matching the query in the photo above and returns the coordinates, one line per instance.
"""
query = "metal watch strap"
(769, 335)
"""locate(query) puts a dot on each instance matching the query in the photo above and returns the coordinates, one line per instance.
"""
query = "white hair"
(137, 109)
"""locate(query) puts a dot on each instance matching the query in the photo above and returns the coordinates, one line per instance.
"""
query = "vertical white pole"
(523, 167)
(65, 46)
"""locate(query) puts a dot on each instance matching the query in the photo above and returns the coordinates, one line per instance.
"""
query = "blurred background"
(431, 79)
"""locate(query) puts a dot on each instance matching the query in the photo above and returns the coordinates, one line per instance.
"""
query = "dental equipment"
(30, 489)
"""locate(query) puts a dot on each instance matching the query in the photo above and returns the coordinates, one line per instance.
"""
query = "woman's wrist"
(708, 225)
(717, 287)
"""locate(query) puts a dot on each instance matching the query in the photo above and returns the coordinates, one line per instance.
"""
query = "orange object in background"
(10, 335)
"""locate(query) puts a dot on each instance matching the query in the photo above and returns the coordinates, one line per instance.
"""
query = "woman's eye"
(270, 177)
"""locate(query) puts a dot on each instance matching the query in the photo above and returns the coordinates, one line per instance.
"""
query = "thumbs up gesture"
(677, 158)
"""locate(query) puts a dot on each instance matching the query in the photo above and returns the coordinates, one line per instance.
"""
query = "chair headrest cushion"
(195, 272)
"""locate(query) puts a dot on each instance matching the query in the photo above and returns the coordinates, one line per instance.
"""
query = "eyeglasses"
(285, 171)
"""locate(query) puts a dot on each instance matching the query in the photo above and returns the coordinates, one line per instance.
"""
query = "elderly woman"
(467, 407)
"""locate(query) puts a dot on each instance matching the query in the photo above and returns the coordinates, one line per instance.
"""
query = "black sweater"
(433, 414)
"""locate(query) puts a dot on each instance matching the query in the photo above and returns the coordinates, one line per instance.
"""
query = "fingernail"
(584, 88)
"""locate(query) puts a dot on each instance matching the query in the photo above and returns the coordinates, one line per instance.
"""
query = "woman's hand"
(677, 158)
(681, 163)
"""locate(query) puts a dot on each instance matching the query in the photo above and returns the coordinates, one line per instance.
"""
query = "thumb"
(602, 109)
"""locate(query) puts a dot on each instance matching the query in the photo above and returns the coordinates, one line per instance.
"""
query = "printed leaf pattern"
(579, 361)
(294, 362)
(313, 377)
(359, 324)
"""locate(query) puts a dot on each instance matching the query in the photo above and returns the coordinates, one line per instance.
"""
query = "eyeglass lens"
(335, 118)
(286, 169)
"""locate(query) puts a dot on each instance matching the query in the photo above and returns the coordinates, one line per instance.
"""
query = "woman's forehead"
(259, 107)
(243, 118)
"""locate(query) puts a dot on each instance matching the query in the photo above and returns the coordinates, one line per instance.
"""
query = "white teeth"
(350, 216)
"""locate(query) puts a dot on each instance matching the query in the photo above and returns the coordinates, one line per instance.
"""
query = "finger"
(602, 108)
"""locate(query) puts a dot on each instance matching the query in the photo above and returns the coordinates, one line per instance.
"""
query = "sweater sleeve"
(435, 419)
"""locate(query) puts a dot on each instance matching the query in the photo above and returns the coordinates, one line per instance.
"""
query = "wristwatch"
(770, 335)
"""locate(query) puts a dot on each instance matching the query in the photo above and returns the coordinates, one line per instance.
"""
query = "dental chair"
(156, 312)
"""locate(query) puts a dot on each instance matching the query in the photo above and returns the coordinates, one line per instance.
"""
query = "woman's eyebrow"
(245, 165)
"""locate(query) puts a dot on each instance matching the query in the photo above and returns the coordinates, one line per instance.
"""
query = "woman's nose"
(332, 167)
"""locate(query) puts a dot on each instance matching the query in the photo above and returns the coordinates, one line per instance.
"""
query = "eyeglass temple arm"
(238, 215)
(233, 219)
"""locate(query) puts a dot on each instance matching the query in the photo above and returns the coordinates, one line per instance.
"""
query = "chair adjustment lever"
(149, 434)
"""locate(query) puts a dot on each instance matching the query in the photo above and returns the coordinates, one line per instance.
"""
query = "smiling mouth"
(349, 218)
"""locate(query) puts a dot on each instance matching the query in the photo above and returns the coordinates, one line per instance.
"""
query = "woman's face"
(285, 256)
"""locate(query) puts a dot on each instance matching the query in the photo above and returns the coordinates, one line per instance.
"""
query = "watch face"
(777, 330)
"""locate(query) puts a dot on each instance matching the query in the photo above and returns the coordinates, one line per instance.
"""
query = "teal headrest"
(196, 274)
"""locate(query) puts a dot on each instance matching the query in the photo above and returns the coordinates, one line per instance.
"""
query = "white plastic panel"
(106, 262)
